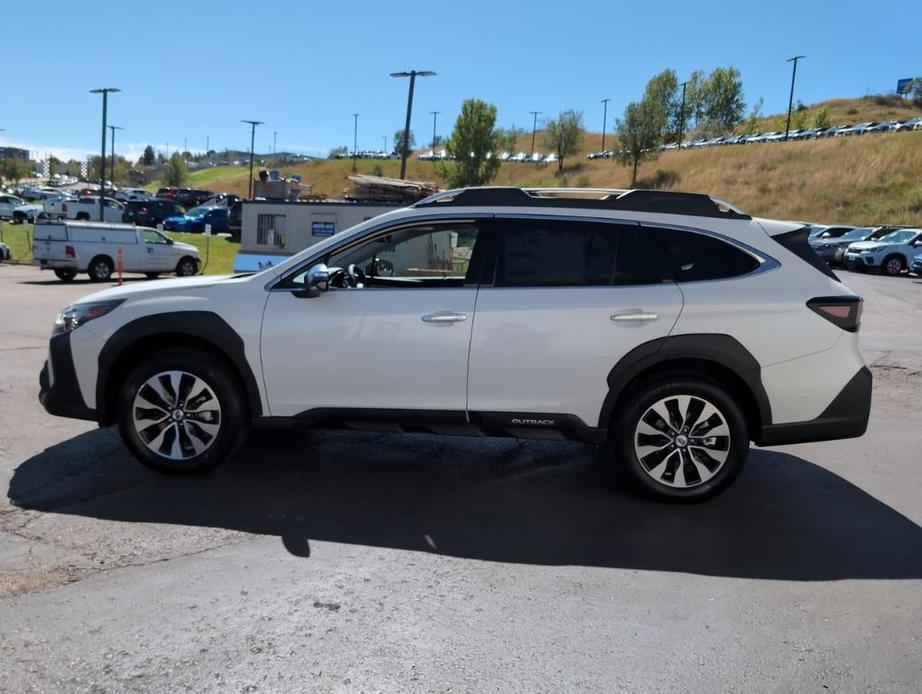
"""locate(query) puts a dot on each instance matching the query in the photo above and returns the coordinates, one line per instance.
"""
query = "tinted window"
(693, 257)
(551, 253)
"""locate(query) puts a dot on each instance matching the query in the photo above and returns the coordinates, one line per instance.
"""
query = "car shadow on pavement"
(492, 499)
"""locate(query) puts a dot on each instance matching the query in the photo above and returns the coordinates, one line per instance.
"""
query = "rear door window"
(565, 253)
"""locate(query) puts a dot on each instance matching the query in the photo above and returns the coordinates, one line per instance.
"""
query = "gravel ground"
(374, 562)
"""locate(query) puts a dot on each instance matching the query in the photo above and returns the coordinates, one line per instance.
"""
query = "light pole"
(112, 129)
(435, 115)
(534, 129)
(207, 144)
(405, 149)
(604, 120)
(794, 60)
(384, 137)
(682, 116)
(253, 124)
(355, 138)
(105, 91)
(275, 135)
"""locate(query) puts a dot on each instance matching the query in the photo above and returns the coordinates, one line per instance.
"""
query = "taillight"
(842, 311)
(70, 252)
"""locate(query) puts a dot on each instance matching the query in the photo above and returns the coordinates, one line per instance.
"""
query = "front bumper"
(59, 391)
(916, 266)
(845, 418)
(860, 260)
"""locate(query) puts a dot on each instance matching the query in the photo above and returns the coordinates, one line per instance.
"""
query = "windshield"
(857, 234)
(899, 236)
(197, 212)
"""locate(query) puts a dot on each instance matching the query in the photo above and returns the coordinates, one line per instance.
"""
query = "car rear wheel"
(100, 269)
(186, 267)
(680, 439)
(83, 216)
(182, 411)
(892, 266)
(152, 275)
(65, 275)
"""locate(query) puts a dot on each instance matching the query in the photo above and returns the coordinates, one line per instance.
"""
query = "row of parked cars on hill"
(865, 128)
(889, 250)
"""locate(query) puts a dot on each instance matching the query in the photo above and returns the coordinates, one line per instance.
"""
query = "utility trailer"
(270, 231)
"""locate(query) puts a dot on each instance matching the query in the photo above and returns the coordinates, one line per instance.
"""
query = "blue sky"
(193, 69)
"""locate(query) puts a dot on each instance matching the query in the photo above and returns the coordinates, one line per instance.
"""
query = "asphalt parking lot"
(376, 562)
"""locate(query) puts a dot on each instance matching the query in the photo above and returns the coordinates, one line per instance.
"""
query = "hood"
(188, 247)
(138, 290)
(869, 245)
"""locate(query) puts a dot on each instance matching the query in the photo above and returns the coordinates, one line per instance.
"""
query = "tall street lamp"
(253, 124)
(112, 129)
(355, 138)
(405, 149)
(435, 115)
(787, 130)
(384, 137)
(105, 91)
(534, 129)
(604, 120)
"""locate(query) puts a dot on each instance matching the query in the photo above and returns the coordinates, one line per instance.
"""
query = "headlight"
(73, 317)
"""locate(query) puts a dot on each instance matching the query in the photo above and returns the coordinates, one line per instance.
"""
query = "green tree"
(664, 102)
(725, 104)
(752, 120)
(916, 91)
(564, 134)
(821, 118)
(799, 117)
(471, 144)
(338, 152)
(639, 134)
(175, 173)
(14, 169)
(148, 158)
(696, 98)
(507, 139)
(399, 144)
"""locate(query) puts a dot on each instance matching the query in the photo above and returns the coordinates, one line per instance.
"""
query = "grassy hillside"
(870, 179)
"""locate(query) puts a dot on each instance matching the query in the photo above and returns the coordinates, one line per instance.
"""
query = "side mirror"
(316, 281)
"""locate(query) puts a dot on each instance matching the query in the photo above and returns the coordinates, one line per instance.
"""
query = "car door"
(397, 340)
(157, 254)
(567, 301)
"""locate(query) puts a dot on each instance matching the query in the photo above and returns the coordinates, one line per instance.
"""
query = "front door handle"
(444, 317)
(639, 316)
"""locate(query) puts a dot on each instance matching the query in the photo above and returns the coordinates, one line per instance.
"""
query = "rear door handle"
(444, 317)
(639, 316)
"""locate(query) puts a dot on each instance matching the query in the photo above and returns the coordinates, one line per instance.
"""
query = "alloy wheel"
(176, 415)
(682, 441)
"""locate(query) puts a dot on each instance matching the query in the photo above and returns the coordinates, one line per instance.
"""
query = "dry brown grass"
(871, 179)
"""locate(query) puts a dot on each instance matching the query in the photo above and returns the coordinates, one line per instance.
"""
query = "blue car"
(916, 266)
(194, 220)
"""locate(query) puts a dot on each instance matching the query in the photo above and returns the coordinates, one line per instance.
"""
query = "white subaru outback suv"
(671, 326)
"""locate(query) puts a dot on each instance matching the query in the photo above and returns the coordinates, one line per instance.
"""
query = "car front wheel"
(680, 439)
(892, 266)
(182, 411)
(186, 267)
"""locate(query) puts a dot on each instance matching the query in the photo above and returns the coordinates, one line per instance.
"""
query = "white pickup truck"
(87, 209)
(69, 247)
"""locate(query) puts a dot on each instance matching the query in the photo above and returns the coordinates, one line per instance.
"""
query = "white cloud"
(131, 151)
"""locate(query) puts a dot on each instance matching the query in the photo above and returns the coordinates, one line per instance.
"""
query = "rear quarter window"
(695, 257)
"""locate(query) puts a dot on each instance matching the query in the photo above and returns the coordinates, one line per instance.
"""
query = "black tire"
(651, 474)
(65, 275)
(152, 275)
(186, 267)
(224, 402)
(892, 266)
(83, 217)
(100, 269)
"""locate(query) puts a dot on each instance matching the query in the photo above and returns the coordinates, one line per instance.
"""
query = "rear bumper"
(45, 264)
(59, 391)
(845, 418)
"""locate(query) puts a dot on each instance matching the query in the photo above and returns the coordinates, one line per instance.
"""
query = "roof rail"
(663, 201)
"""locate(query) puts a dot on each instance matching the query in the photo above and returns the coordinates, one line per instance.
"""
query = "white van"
(69, 247)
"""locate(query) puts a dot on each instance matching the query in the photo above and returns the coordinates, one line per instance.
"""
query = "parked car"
(599, 319)
(87, 208)
(192, 197)
(235, 220)
(916, 265)
(5, 253)
(28, 212)
(195, 220)
(832, 250)
(127, 194)
(53, 207)
(890, 254)
(69, 248)
(150, 213)
(8, 203)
